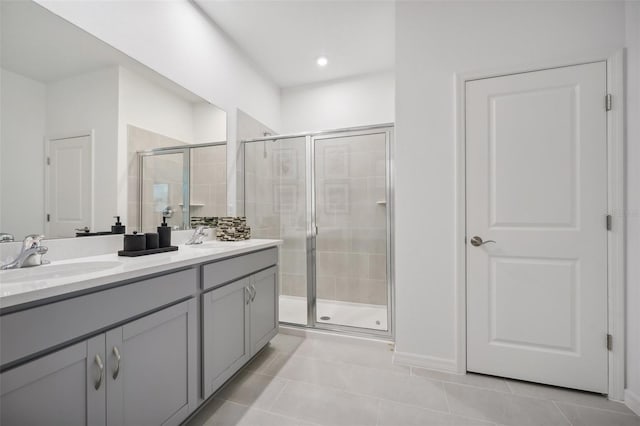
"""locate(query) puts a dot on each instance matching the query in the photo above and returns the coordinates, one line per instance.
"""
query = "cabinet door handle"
(116, 353)
(253, 287)
(100, 365)
(247, 293)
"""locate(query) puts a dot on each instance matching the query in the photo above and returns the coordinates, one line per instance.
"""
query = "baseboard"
(632, 401)
(427, 362)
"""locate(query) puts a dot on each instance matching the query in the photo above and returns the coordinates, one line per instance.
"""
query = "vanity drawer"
(28, 332)
(217, 273)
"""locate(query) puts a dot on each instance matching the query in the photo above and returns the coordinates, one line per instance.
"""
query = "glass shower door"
(276, 207)
(351, 189)
(163, 189)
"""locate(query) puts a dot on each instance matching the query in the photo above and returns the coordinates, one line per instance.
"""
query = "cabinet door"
(225, 333)
(57, 389)
(151, 368)
(264, 308)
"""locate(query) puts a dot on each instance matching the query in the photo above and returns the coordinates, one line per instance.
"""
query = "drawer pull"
(116, 353)
(247, 294)
(100, 365)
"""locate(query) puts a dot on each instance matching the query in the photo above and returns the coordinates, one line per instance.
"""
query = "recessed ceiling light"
(322, 61)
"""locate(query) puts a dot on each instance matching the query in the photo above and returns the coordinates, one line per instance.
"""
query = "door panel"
(264, 308)
(154, 382)
(57, 389)
(225, 333)
(536, 185)
(70, 186)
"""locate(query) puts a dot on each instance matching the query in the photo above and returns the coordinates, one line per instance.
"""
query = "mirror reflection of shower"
(184, 183)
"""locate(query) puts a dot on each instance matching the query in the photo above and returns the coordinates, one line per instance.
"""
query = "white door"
(69, 193)
(537, 186)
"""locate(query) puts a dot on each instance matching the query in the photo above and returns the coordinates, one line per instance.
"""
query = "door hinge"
(608, 101)
(609, 222)
(48, 217)
(48, 161)
(609, 342)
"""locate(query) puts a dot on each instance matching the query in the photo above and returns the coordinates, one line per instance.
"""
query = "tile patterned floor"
(322, 380)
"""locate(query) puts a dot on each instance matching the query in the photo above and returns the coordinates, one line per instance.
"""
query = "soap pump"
(164, 233)
(118, 228)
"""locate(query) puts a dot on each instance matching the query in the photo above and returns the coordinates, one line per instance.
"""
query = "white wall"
(146, 105)
(633, 201)
(209, 123)
(435, 40)
(23, 121)
(84, 103)
(355, 101)
(175, 39)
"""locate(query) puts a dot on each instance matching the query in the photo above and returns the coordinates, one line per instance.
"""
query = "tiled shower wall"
(351, 218)
(209, 181)
(350, 213)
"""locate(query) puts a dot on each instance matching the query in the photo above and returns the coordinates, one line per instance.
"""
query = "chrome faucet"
(31, 253)
(198, 235)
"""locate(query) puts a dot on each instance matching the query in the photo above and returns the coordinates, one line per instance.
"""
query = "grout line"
(275, 399)
(446, 397)
(468, 385)
(562, 413)
(606, 410)
(509, 386)
(378, 412)
(345, 363)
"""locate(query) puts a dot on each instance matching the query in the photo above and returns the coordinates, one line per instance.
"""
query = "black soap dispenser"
(118, 228)
(164, 233)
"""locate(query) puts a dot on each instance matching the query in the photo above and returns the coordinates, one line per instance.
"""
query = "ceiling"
(284, 38)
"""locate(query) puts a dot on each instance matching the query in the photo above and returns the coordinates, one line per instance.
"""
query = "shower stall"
(328, 195)
(186, 183)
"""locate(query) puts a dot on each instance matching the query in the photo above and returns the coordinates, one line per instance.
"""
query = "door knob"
(477, 241)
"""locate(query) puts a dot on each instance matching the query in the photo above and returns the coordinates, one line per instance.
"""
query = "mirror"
(74, 114)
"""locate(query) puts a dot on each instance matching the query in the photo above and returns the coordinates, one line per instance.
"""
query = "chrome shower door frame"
(312, 232)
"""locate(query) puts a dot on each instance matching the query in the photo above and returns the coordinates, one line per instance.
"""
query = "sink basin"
(54, 271)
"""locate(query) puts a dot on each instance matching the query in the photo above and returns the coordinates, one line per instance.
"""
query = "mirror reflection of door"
(68, 196)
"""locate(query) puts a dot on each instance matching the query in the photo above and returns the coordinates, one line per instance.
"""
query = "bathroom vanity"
(135, 341)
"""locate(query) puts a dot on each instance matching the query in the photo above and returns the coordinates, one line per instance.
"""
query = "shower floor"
(293, 310)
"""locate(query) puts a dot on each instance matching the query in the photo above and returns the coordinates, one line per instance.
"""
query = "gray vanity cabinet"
(151, 368)
(65, 387)
(238, 319)
(264, 308)
(226, 344)
(141, 373)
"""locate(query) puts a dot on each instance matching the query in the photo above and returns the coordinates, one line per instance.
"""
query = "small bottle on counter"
(118, 228)
(164, 233)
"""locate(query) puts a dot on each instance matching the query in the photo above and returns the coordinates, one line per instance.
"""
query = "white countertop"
(41, 282)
